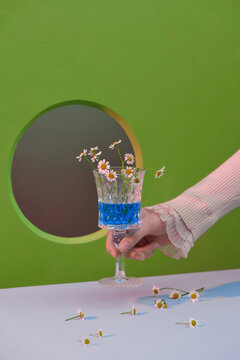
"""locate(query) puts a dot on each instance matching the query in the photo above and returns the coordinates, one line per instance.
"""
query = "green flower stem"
(120, 156)
(74, 317)
(180, 323)
(184, 291)
(89, 162)
(127, 312)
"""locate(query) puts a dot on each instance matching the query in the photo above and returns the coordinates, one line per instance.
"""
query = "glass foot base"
(120, 283)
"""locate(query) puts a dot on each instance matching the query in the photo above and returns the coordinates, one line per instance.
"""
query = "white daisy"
(175, 295)
(93, 150)
(159, 172)
(128, 172)
(194, 295)
(114, 144)
(103, 166)
(85, 341)
(111, 175)
(136, 180)
(100, 333)
(81, 314)
(159, 304)
(95, 156)
(134, 311)
(193, 323)
(129, 158)
(84, 153)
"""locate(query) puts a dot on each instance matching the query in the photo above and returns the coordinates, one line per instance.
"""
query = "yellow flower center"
(81, 315)
(194, 296)
(136, 180)
(86, 341)
(110, 175)
(103, 166)
(128, 171)
(175, 296)
(159, 172)
(159, 304)
(129, 158)
(134, 311)
(100, 333)
(194, 323)
(155, 291)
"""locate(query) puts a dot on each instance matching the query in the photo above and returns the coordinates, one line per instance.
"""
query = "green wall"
(169, 68)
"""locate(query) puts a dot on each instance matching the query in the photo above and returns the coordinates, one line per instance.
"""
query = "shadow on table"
(108, 336)
(226, 290)
(91, 317)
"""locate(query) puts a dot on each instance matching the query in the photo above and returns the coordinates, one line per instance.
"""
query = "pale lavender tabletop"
(33, 325)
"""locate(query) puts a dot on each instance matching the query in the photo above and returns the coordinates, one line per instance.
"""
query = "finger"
(110, 246)
(143, 252)
(151, 224)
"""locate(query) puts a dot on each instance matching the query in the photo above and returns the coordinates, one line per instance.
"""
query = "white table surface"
(33, 326)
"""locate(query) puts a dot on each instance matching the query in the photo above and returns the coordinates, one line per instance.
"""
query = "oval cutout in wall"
(53, 193)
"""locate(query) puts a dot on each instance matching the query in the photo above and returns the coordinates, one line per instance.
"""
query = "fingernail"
(139, 256)
(124, 246)
(155, 246)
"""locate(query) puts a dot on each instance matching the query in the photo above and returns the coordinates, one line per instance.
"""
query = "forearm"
(193, 212)
(206, 202)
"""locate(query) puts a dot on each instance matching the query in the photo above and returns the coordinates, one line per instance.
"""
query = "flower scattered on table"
(175, 294)
(85, 341)
(99, 334)
(155, 290)
(80, 315)
(194, 295)
(192, 323)
(132, 312)
(160, 304)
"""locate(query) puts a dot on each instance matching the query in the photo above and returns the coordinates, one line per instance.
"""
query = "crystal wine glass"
(119, 210)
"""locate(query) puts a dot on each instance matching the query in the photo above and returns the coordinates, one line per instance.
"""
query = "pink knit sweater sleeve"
(193, 212)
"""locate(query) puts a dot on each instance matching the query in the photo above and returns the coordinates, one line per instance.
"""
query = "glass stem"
(117, 236)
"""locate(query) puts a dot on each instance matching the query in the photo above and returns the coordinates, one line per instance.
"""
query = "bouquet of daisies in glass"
(127, 172)
(119, 192)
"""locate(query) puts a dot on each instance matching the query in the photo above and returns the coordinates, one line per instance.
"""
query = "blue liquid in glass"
(119, 214)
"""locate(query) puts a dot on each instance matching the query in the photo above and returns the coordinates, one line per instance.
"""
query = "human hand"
(141, 243)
